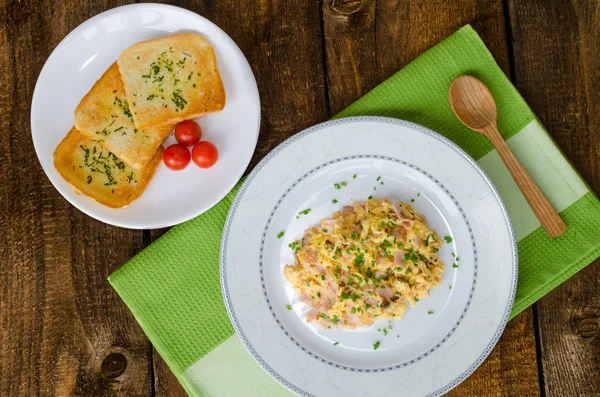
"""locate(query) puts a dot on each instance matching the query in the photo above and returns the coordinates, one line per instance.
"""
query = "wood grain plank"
(366, 42)
(557, 70)
(507, 371)
(282, 42)
(59, 317)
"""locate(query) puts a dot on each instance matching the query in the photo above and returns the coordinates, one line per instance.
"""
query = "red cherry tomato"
(176, 157)
(205, 154)
(188, 132)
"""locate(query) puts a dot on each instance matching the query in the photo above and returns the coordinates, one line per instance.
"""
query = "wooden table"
(64, 331)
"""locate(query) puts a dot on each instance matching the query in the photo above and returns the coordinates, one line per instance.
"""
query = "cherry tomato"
(176, 157)
(188, 132)
(205, 154)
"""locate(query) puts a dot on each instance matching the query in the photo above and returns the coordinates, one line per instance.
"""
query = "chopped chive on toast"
(105, 113)
(94, 170)
(171, 79)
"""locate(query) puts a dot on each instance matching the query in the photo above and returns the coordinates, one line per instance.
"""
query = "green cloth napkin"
(173, 288)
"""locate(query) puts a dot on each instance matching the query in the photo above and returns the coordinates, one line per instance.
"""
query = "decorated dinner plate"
(78, 62)
(437, 343)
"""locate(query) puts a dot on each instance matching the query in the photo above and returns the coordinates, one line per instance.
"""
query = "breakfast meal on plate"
(171, 79)
(115, 147)
(366, 262)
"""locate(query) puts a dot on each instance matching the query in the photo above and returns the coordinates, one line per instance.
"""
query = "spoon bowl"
(472, 103)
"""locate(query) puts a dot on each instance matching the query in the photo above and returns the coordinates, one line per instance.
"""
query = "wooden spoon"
(475, 107)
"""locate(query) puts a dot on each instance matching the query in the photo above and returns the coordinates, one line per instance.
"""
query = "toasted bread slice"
(94, 170)
(171, 79)
(104, 113)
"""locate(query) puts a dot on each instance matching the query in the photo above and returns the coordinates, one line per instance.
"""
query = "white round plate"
(437, 344)
(82, 57)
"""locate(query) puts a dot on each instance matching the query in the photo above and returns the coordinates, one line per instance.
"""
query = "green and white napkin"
(173, 288)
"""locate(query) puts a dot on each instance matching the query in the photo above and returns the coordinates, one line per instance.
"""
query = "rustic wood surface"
(557, 70)
(64, 331)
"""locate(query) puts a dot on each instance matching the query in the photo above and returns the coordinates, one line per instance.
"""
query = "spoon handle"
(542, 208)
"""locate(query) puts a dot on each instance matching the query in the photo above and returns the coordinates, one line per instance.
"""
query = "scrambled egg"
(365, 262)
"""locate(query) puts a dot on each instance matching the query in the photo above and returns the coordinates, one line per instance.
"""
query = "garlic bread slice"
(104, 113)
(171, 79)
(95, 171)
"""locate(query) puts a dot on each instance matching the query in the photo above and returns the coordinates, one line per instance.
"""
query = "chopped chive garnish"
(430, 312)
(354, 176)
(322, 277)
(412, 200)
(288, 307)
(455, 266)
(324, 316)
(448, 239)
(324, 230)
(334, 201)
(449, 287)
(378, 178)
(335, 319)
(280, 235)
(370, 197)
(337, 186)
(336, 343)
(344, 184)
(418, 194)
(305, 212)
(376, 346)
